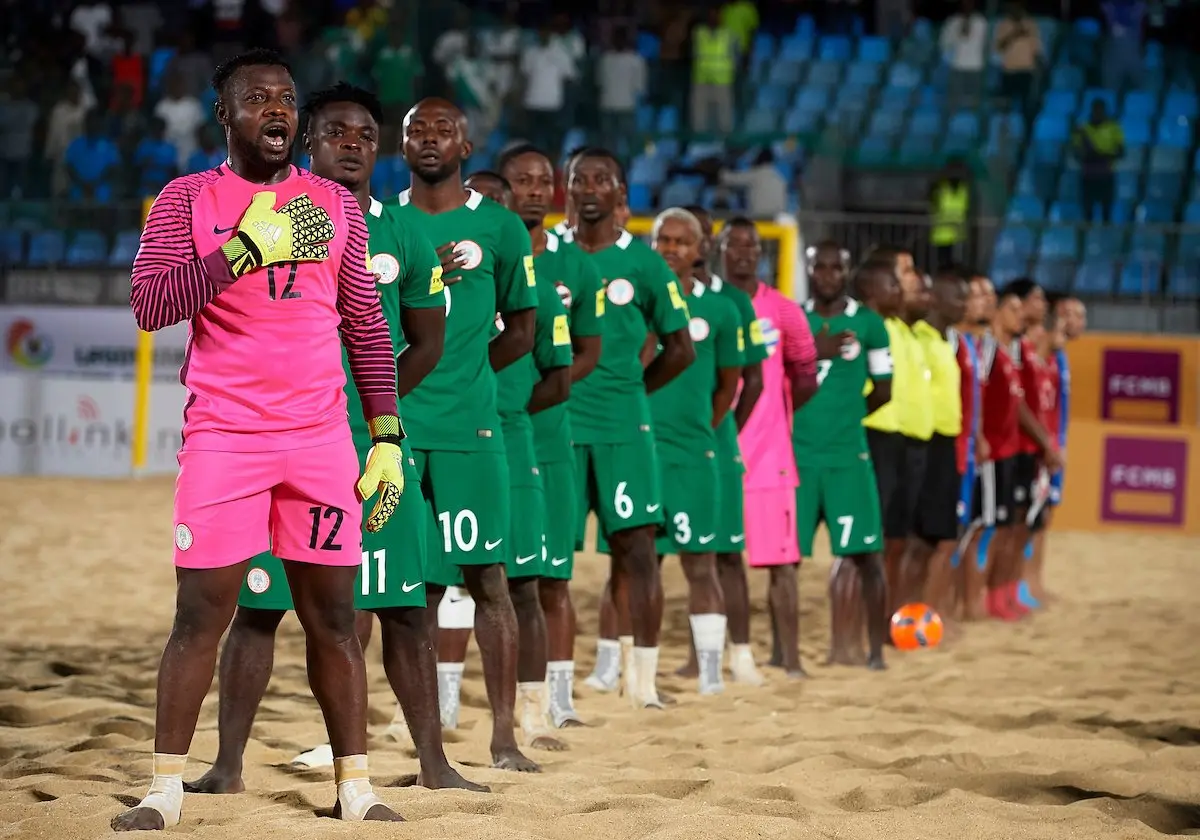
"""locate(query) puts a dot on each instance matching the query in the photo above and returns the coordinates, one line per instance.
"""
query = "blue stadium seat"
(1011, 125)
(1046, 152)
(1140, 277)
(640, 197)
(874, 50)
(1136, 130)
(1028, 183)
(1060, 103)
(1008, 265)
(771, 97)
(1064, 211)
(1188, 248)
(648, 45)
(1059, 243)
(1134, 160)
(1102, 242)
(1145, 243)
(1094, 277)
(796, 48)
(904, 76)
(964, 124)
(762, 49)
(1164, 187)
(863, 75)
(926, 124)
(1086, 27)
(12, 245)
(1183, 281)
(1068, 188)
(1128, 186)
(1066, 77)
(886, 123)
(1165, 159)
(1015, 242)
(1121, 212)
(834, 48)
(1174, 132)
(648, 169)
(1191, 213)
(1025, 208)
(645, 119)
(895, 99)
(806, 25)
(680, 191)
(761, 121)
(1181, 103)
(824, 74)
(803, 120)
(1051, 127)
(46, 247)
(1138, 105)
(1054, 275)
(1154, 213)
(812, 99)
(876, 149)
(668, 120)
(125, 248)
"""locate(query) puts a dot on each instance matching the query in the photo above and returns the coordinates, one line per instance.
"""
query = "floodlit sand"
(1081, 723)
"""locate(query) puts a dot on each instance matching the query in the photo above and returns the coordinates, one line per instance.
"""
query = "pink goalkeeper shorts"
(300, 504)
(771, 527)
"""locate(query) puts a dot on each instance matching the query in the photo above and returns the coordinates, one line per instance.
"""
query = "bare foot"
(776, 660)
(689, 669)
(797, 673)
(447, 778)
(667, 699)
(549, 744)
(876, 663)
(138, 819)
(376, 813)
(510, 758)
(846, 657)
(217, 780)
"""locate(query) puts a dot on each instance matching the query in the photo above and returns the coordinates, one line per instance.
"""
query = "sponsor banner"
(62, 426)
(67, 287)
(1141, 386)
(1145, 480)
(83, 340)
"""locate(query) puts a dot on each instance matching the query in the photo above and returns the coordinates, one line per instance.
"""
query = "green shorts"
(731, 525)
(467, 507)
(847, 499)
(392, 573)
(527, 532)
(620, 482)
(560, 492)
(690, 500)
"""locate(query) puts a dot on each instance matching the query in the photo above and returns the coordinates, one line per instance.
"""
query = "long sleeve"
(170, 282)
(799, 349)
(364, 330)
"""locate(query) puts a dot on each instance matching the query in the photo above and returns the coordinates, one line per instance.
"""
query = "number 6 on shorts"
(622, 504)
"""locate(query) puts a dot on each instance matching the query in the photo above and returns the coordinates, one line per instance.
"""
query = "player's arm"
(667, 316)
(365, 332)
(551, 352)
(422, 310)
(879, 366)
(170, 283)
(731, 353)
(799, 355)
(516, 293)
(755, 352)
(587, 320)
(752, 388)
(649, 350)
(1029, 422)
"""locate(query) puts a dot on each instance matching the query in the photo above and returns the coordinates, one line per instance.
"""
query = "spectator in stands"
(191, 65)
(950, 211)
(672, 76)
(141, 20)
(741, 18)
(91, 20)
(714, 66)
(129, 71)
(546, 67)
(93, 163)
(64, 125)
(621, 76)
(125, 125)
(209, 153)
(1098, 144)
(765, 187)
(567, 38)
(1019, 44)
(368, 20)
(452, 44)
(964, 45)
(18, 116)
(156, 159)
(893, 18)
(501, 46)
(474, 89)
(182, 113)
(1122, 61)
(396, 71)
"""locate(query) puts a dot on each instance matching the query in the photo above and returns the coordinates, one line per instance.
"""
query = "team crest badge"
(258, 581)
(850, 350)
(620, 292)
(183, 537)
(471, 253)
(698, 328)
(385, 267)
(564, 293)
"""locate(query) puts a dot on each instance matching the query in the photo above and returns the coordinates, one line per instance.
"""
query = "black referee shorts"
(1031, 490)
(995, 488)
(899, 473)
(937, 511)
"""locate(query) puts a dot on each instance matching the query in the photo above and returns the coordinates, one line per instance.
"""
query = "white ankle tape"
(166, 788)
(354, 791)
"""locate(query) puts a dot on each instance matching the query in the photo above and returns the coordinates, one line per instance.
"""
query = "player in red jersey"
(271, 296)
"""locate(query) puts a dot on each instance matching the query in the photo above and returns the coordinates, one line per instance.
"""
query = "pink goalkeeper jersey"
(766, 439)
(263, 368)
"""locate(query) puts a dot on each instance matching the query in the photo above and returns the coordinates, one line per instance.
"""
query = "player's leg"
(973, 563)
(854, 519)
(887, 458)
(245, 670)
(937, 523)
(561, 496)
(212, 540)
(606, 674)
(1025, 472)
(731, 572)
(1006, 552)
(627, 482)
(1035, 568)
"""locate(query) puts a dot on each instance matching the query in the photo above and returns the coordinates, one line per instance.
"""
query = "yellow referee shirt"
(914, 411)
(945, 383)
(885, 419)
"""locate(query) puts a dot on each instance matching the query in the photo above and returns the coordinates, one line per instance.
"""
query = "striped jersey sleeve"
(799, 349)
(171, 282)
(364, 330)
(987, 356)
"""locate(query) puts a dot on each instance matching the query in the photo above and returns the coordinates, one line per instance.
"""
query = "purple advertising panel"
(1145, 481)
(1140, 386)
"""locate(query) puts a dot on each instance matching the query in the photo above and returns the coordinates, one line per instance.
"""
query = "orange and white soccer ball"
(916, 626)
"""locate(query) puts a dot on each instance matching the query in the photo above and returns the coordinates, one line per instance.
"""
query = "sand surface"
(1081, 723)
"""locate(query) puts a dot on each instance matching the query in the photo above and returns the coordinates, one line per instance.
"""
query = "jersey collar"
(698, 288)
(375, 208)
(551, 242)
(716, 282)
(474, 199)
(624, 240)
(851, 306)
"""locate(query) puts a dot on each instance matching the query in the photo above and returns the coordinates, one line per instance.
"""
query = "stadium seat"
(875, 149)
(803, 121)
(1047, 153)
(1066, 77)
(679, 192)
(125, 248)
(1060, 102)
(874, 50)
(1008, 266)
(668, 120)
(904, 76)
(641, 200)
(1065, 211)
(648, 45)
(1164, 188)
(834, 48)
(772, 97)
(1102, 242)
(1183, 281)
(1188, 248)
(895, 99)
(1015, 241)
(1051, 127)
(1025, 208)
(1028, 183)
(1140, 277)
(785, 73)
(964, 124)
(12, 246)
(761, 121)
(796, 48)
(1128, 186)
(1136, 131)
(1145, 243)
(824, 74)
(762, 49)
(1068, 188)
(46, 248)
(1134, 160)
(1164, 159)
(1191, 213)
(648, 169)
(1094, 277)
(1055, 275)
(1121, 212)
(926, 124)
(1174, 132)
(1058, 243)
(1138, 105)
(886, 123)
(863, 75)
(1154, 213)
(1181, 103)
(812, 99)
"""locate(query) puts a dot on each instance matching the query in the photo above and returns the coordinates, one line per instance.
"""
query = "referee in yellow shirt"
(926, 572)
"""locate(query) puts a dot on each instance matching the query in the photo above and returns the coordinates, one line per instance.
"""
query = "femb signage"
(1145, 480)
(1141, 386)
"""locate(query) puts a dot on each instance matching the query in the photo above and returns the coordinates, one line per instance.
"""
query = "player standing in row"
(972, 578)
(686, 413)
(731, 528)
(342, 134)
(616, 457)
(571, 274)
(789, 376)
(837, 478)
(267, 457)
(453, 419)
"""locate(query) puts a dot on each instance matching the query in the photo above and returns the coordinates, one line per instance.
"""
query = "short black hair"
(343, 92)
(250, 58)
(872, 270)
(955, 272)
(599, 153)
(1020, 288)
(890, 251)
(740, 221)
(495, 176)
(519, 150)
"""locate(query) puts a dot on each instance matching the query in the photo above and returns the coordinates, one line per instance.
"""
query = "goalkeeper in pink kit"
(268, 264)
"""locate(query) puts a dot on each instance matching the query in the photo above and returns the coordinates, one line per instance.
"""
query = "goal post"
(143, 377)
(782, 248)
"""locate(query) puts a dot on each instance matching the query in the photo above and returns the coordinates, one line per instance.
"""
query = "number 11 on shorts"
(380, 558)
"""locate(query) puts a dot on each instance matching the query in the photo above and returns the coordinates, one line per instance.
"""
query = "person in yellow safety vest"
(714, 68)
(1097, 145)
(741, 18)
(950, 207)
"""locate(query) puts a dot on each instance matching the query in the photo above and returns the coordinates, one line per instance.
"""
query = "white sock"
(398, 729)
(531, 709)
(708, 633)
(166, 788)
(741, 665)
(645, 667)
(629, 669)
(607, 672)
(450, 675)
(560, 680)
(321, 756)
(354, 790)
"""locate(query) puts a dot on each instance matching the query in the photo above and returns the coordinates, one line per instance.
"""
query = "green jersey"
(682, 409)
(828, 430)
(579, 287)
(642, 296)
(551, 349)
(729, 455)
(454, 408)
(408, 275)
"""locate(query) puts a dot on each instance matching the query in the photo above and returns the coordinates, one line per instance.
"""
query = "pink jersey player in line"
(789, 375)
(267, 264)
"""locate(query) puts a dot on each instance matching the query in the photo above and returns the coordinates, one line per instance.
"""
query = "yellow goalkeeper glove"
(384, 471)
(297, 232)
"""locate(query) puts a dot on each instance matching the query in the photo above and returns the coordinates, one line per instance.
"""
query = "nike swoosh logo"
(219, 231)
(558, 561)
(707, 539)
(652, 508)
(489, 545)
(521, 561)
(737, 538)
(868, 540)
(409, 587)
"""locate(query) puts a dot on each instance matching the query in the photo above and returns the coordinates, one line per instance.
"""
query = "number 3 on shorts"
(622, 504)
(846, 523)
